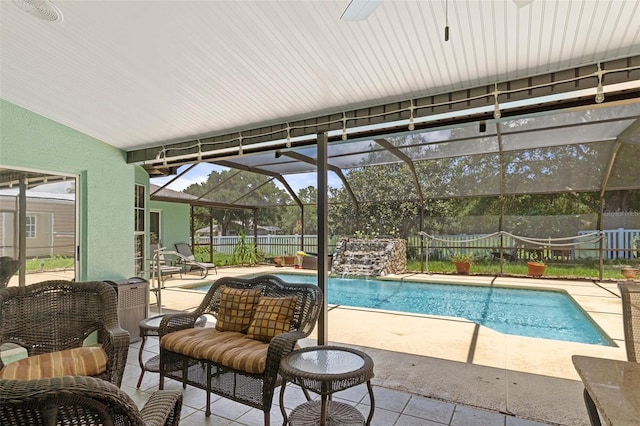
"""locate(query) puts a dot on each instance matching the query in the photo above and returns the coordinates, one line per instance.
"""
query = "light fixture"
(288, 136)
(496, 113)
(411, 126)
(41, 9)
(344, 126)
(359, 10)
(599, 90)
(278, 153)
(446, 20)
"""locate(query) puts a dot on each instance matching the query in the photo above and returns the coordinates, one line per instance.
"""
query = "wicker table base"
(338, 413)
(325, 370)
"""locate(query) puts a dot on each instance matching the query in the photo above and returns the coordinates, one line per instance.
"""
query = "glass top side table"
(325, 370)
(150, 327)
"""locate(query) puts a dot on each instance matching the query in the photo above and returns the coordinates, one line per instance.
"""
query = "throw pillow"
(236, 308)
(273, 316)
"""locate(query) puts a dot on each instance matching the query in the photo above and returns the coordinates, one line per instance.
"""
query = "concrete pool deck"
(454, 360)
(457, 360)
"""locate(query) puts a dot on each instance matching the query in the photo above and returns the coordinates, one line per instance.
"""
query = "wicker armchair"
(8, 267)
(631, 319)
(82, 400)
(254, 389)
(54, 316)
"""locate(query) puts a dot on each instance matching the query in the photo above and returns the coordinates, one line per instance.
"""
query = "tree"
(233, 187)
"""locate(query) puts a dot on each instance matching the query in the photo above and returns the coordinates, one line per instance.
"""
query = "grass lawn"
(583, 270)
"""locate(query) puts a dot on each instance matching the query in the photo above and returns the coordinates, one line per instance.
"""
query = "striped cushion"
(273, 316)
(84, 361)
(236, 308)
(229, 349)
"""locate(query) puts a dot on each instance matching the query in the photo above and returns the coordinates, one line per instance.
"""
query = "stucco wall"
(104, 191)
(175, 219)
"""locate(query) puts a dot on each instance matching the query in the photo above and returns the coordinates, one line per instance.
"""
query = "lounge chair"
(167, 267)
(186, 256)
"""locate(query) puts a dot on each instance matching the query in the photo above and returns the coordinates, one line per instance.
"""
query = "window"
(31, 226)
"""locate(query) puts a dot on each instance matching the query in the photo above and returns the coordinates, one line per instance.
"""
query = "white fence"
(621, 243)
(271, 245)
(618, 244)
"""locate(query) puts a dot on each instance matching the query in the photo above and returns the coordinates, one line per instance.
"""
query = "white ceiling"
(141, 73)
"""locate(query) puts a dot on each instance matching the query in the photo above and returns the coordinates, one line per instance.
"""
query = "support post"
(22, 231)
(323, 237)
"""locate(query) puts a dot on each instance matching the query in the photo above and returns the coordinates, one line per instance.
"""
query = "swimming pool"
(532, 313)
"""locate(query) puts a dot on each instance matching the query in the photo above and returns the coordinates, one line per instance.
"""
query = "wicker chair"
(8, 267)
(82, 400)
(631, 322)
(252, 389)
(631, 319)
(53, 316)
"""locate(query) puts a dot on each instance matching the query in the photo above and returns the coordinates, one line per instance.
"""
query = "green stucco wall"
(175, 219)
(104, 192)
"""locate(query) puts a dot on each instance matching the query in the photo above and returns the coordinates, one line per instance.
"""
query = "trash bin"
(133, 304)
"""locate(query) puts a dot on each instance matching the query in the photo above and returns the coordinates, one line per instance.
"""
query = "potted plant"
(463, 263)
(629, 272)
(536, 269)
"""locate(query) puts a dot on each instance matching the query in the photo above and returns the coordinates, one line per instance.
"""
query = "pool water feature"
(532, 313)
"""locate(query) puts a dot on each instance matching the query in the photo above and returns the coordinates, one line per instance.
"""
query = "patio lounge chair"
(186, 256)
(82, 400)
(167, 267)
(52, 320)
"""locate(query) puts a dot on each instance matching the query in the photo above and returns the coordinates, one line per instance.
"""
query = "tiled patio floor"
(392, 407)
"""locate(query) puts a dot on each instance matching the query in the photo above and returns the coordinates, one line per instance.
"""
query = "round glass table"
(150, 327)
(325, 370)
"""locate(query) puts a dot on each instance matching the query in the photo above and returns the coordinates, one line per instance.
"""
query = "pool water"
(532, 313)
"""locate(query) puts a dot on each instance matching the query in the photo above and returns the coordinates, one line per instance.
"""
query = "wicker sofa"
(51, 320)
(82, 400)
(258, 321)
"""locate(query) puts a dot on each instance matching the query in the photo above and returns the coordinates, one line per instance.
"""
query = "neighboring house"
(50, 225)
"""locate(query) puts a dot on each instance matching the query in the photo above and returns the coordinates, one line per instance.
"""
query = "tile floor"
(392, 407)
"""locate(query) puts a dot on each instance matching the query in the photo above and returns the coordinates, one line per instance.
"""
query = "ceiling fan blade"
(522, 3)
(359, 10)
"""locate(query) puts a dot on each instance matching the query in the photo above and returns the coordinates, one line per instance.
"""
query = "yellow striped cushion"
(84, 361)
(229, 349)
(236, 308)
(273, 316)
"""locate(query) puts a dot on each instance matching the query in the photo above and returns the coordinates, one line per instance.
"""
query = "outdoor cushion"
(83, 361)
(227, 348)
(273, 316)
(236, 308)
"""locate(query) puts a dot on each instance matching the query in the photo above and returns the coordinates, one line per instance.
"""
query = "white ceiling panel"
(140, 73)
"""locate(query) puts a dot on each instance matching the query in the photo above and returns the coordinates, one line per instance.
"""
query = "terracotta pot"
(536, 269)
(629, 273)
(463, 268)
